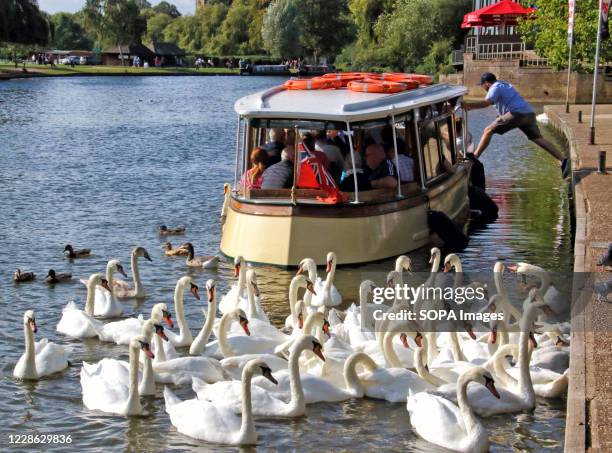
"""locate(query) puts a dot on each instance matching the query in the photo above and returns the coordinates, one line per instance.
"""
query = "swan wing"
(121, 288)
(121, 332)
(103, 385)
(436, 420)
(76, 323)
(229, 300)
(179, 371)
(50, 358)
(106, 305)
(203, 420)
(393, 384)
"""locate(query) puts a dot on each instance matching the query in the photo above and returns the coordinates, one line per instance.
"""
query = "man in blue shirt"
(513, 112)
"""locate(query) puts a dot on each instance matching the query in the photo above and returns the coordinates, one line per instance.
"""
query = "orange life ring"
(410, 83)
(422, 79)
(376, 86)
(316, 83)
(345, 77)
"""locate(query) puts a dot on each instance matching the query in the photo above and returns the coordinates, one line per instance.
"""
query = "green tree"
(196, 33)
(437, 60)
(326, 27)
(22, 22)
(68, 33)
(282, 26)
(156, 25)
(240, 33)
(117, 22)
(167, 8)
(548, 32)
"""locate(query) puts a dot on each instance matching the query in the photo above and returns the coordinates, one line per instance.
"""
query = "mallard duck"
(205, 262)
(19, 276)
(169, 251)
(165, 231)
(72, 253)
(53, 277)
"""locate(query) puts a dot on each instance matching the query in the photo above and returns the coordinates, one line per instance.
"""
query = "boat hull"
(285, 234)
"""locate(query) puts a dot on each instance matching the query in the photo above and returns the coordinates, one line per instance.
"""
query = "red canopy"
(504, 12)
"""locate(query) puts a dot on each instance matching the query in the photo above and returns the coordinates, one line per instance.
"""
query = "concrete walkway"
(589, 411)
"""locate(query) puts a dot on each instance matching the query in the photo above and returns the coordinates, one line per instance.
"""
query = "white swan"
(264, 402)
(297, 282)
(106, 304)
(77, 323)
(359, 325)
(40, 358)
(440, 422)
(121, 288)
(206, 421)
(327, 295)
(104, 383)
(390, 384)
(503, 301)
(310, 266)
(184, 337)
(230, 300)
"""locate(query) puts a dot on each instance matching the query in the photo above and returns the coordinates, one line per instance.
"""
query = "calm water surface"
(102, 162)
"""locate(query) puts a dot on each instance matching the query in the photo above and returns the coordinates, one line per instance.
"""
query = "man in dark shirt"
(380, 171)
(275, 146)
(280, 175)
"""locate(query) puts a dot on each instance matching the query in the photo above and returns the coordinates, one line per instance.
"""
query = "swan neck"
(435, 267)
(30, 351)
(247, 428)
(109, 274)
(525, 384)
(499, 284)
(136, 275)
(456, 347)
(224, 346)
(160, 353)
(133, 403)
(179, 293)
(389, 352)
(351, 379)
(200, 342)
(298, 402)
(464, 406)
(329, 280)
(293, 292)
(251, 309)
(89, 301)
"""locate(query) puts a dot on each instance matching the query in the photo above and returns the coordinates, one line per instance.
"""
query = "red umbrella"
(503, 12)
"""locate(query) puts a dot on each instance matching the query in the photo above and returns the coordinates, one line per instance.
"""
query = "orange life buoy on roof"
(316, 83)
(422, 79)
(376, 86)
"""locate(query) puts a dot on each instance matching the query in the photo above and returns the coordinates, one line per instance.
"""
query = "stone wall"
(535, 84)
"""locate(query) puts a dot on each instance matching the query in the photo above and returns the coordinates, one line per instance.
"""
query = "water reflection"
(102, 162)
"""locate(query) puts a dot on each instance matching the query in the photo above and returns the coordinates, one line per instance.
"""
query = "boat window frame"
(427, 182)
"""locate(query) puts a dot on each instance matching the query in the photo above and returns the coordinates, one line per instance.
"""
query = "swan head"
(96, 279)
(242, 319)
(160, 312)
(140, 342)
(193, 288)
(251, 277)
(483, 377)
(419, 340)
(29, 320)
(211, 286)
(141, 251)
(299, 311)
(367, 287)
(307, 264)
(117, 266)
(402, 263)
(433, 254)
(499, 267)
(238, 263)
(451, 261)
(301, 281)
(330, 260)
(309, 342)
(530, 305)
(261, 366)
(317, 318)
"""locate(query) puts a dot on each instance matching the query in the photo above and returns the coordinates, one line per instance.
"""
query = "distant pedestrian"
(513, 112)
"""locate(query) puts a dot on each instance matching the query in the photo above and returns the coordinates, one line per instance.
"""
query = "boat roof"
(340, 104)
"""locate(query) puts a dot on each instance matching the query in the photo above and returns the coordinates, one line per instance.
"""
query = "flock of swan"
(252, 368)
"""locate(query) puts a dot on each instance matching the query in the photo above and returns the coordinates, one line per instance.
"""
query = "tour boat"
(282, 226)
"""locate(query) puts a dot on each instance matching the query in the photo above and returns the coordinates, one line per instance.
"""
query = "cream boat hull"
(285, 235)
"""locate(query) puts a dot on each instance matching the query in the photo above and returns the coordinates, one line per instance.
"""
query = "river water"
(102, 162)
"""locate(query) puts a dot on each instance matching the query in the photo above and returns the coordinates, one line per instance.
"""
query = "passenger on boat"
(275, 146)
(332, 152)
(280, 175)
(379, 170)
(338, 138)
(406, 164)
(254, 175)
(309, 149)
(387, 139)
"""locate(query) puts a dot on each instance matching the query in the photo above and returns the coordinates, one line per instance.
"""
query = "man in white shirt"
(333, 153)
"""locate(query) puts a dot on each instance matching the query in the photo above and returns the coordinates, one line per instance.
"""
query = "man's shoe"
(565, 168)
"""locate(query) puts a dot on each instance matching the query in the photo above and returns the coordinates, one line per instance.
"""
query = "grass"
(66, 70)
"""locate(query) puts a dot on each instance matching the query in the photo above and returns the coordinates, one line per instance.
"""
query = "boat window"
(259, 123)
(437, 140)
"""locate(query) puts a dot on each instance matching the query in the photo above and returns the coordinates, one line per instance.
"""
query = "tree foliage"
(548, 32)
(196, 33)
(68, 33)
(282, 25)
(22, 22)
(115, 21)
(156, 25)
(167, 8)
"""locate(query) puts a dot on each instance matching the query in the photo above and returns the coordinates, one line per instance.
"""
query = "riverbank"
(8, 71)
(589, 401)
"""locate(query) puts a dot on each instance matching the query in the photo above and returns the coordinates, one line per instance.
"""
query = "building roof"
(131, 49)
(341, 104)
(166, 49)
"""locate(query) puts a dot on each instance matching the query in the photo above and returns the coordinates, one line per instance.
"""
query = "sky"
(72, 6)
